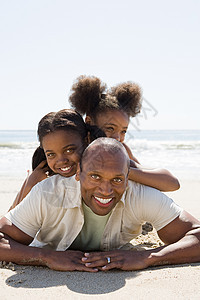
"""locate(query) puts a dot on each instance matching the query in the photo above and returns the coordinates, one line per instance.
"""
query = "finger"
(95, 256)
(92, 256)
(42, 164)
(112, 265)
(96, 263)
(84, 268)
(46, 170)
(105, 263)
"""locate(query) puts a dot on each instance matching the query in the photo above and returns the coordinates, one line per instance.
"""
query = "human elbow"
(175, 184)
(172, 183)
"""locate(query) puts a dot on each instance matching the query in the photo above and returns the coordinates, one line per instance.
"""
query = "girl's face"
(63, 149)
(114, 123)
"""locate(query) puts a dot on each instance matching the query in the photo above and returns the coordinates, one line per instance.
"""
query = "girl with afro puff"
(110, 110)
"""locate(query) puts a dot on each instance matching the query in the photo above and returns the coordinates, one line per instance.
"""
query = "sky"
(45, 45)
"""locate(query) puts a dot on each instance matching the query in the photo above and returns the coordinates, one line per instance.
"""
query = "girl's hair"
(90, 96)
(66, 119)
(38, 157)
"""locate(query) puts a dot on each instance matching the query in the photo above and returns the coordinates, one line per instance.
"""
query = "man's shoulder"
(58, 181)
(138, 190)
(136, 187)
(58, 189)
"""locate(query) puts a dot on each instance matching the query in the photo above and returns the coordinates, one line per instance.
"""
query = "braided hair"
(68, 120)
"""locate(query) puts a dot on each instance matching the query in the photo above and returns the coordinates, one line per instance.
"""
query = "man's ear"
(88, 120)
(77, 177)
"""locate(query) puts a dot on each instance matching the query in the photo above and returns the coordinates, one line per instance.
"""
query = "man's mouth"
(103, 200)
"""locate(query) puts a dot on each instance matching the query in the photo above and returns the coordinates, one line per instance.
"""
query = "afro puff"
(129, 97)
(86, 94)
(90, 96)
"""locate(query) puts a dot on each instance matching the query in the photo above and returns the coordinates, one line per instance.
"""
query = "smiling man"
(103, 179)
(84, 222)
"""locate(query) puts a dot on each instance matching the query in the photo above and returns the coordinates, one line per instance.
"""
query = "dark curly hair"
(90, 96)
(66, 119)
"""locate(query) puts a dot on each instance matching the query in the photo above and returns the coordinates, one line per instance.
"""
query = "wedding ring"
(108, 259)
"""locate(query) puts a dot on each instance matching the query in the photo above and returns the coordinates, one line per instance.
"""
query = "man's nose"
(105, 188)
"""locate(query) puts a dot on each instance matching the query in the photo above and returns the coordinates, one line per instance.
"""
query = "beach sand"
(166, 282)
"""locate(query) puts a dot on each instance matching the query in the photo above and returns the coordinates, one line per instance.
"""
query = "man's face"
(103, 180)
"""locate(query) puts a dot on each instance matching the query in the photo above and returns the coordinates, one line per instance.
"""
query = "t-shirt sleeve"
(155, 207)
(27, 215)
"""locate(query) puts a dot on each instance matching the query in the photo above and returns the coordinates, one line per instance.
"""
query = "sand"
(166, 282)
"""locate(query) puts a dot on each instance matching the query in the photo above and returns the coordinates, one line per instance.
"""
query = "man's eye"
(94, 176)
(117, 180)
(124, 132)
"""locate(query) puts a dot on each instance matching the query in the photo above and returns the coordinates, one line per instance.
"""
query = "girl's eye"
(111, 129)
(50, 155)
(94, 176)
(70, 150)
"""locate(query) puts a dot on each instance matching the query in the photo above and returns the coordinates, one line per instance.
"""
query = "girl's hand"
(40, 173)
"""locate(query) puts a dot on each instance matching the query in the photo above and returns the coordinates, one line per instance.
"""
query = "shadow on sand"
(78, 282)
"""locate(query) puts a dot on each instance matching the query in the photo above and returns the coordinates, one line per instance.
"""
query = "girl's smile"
(63, 149)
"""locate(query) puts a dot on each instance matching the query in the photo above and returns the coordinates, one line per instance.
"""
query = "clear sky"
(45, 45)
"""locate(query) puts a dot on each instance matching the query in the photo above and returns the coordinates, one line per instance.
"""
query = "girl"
(111, 110)
(63, 136)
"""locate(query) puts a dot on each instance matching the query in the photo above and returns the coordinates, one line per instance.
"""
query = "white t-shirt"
(53, 209)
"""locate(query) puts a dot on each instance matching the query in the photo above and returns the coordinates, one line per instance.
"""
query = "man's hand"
(182, 239)
(119, 259)
(69, 260)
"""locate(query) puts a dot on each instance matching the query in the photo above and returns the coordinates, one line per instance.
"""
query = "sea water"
(16, 150)
(176, 150)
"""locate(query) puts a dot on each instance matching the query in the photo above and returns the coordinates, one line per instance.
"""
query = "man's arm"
(182, 236)
(14, 247)
(130, 154)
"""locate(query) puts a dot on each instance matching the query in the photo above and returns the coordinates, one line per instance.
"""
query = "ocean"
(176, 150)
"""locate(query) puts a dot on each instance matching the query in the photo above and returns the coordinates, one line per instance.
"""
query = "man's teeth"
(103, 200)
(65, 169)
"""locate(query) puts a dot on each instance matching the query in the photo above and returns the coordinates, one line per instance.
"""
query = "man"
(100, 211)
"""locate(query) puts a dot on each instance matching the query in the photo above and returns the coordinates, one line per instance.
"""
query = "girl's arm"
(130, 154)
(39, 174)
(160, 179)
